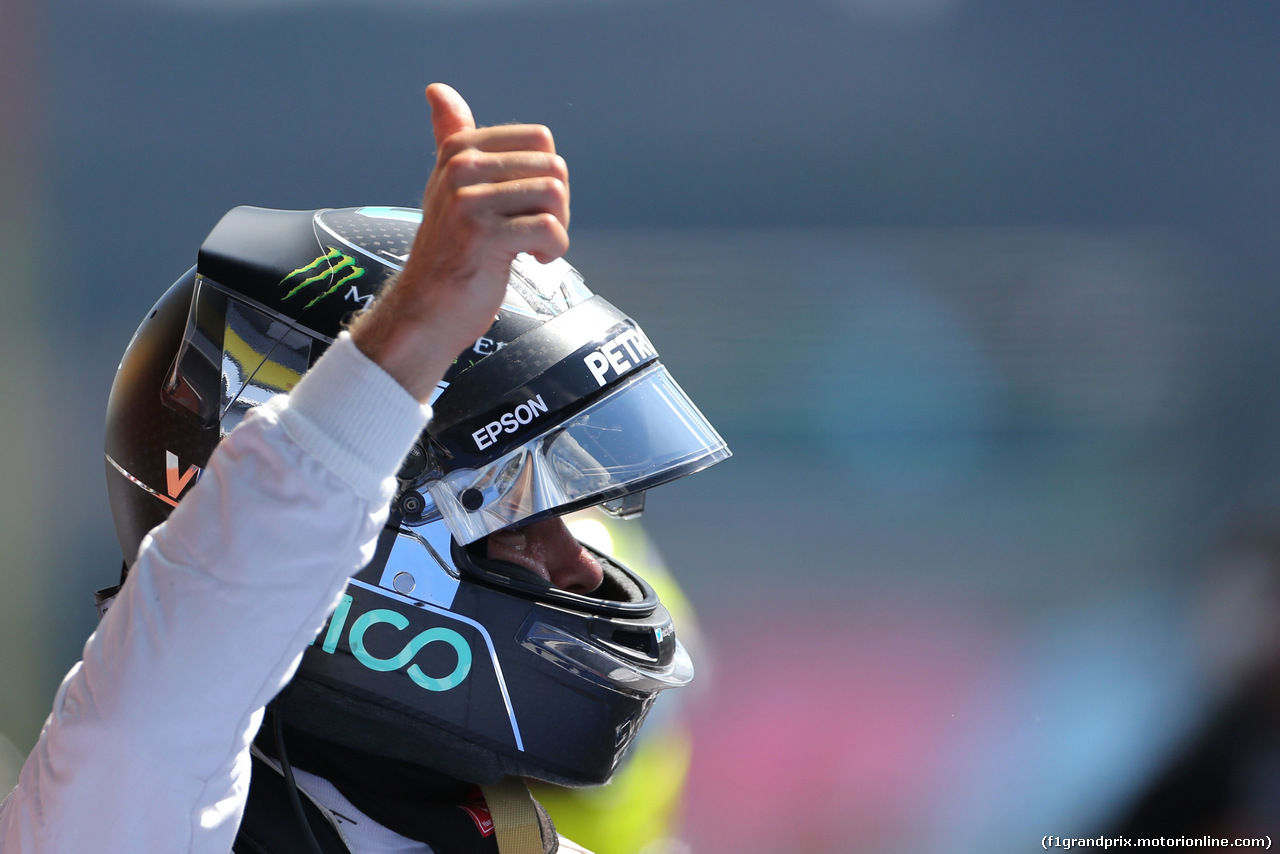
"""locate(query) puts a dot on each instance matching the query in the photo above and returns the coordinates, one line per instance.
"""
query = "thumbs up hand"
(494, 192)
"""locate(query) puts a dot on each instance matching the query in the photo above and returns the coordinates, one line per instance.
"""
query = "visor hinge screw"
(472, 499)
(411, 505)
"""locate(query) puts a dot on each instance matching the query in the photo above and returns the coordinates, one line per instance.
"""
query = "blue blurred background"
(983, 294)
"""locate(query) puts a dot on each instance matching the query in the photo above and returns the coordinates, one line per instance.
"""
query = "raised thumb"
(449, 113)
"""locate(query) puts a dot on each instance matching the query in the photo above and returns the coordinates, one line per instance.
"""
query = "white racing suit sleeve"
(146, 749)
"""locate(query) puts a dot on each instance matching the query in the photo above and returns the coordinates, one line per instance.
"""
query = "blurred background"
(982, 293)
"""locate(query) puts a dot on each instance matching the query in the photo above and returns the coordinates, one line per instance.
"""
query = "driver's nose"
(547, 548)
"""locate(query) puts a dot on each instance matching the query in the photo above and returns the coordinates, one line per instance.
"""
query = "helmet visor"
(644, 433)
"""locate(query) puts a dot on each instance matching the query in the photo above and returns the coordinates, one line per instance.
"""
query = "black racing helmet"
(436, 654)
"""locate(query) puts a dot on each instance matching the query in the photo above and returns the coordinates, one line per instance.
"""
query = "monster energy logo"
(330, 264)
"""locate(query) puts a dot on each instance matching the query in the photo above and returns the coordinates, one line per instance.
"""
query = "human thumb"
(449, 113)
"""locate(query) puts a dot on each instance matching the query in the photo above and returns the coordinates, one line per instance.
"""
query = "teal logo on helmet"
(399, 622)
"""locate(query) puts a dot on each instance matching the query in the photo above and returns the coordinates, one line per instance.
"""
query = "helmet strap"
(515, 817)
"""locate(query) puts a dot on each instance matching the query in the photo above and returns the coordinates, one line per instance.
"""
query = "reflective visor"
(644, 433)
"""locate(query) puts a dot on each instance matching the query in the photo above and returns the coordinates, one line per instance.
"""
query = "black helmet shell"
(436, 654)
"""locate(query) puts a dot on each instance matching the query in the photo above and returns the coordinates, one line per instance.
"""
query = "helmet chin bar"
(585, 658)
(494, 650)
(632, 649)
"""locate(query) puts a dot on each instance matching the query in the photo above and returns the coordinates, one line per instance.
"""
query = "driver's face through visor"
(548, 549)
(564, 556)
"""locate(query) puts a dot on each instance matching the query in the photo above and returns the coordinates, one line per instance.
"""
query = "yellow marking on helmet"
(268, 374)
